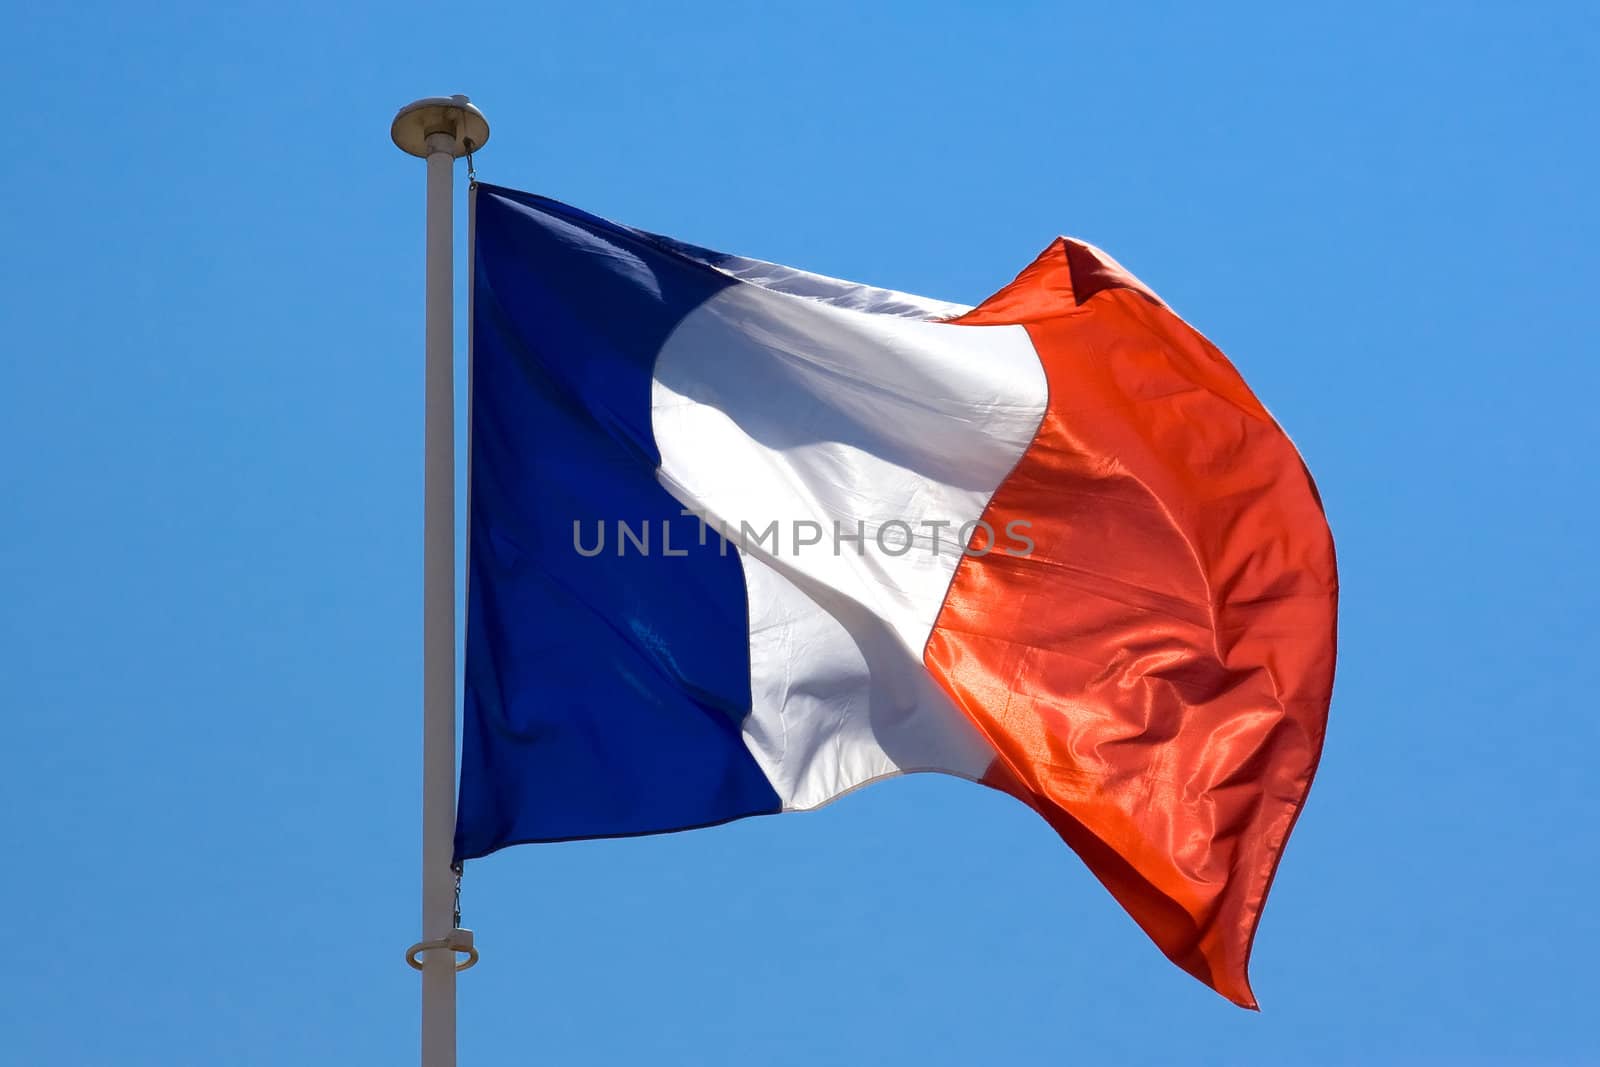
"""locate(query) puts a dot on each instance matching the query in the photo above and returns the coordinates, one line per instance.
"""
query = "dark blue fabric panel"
(603, 695)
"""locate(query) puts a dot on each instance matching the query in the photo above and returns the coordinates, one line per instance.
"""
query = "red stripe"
(1155, 674)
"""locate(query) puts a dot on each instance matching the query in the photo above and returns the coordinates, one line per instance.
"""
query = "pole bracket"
(458, 941)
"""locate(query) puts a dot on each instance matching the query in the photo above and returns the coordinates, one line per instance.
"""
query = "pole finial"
(453, 116)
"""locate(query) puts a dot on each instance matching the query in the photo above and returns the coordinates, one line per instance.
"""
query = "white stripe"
(837, 292)
(772, 407)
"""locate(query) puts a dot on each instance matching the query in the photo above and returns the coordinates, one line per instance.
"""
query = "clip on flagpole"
(458, 941)
(440, 130)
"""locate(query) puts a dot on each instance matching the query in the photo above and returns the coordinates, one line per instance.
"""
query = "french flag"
(745, 538)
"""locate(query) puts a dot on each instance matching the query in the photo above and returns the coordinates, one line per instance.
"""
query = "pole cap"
(453, 116)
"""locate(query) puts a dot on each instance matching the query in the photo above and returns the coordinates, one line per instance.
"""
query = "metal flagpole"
(440, 130)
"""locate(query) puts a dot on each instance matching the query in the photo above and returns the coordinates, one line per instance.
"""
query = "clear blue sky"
(210, 538)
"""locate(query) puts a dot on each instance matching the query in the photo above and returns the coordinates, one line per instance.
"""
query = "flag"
(745, 538)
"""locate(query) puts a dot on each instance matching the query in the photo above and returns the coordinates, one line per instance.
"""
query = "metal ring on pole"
(458, 941)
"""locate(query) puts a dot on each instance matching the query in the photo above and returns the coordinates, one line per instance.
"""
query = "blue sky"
(210, 409)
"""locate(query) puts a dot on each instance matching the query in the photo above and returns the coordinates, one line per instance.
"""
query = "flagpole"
(439, 130)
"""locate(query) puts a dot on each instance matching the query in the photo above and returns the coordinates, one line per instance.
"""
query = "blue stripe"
(603, 695)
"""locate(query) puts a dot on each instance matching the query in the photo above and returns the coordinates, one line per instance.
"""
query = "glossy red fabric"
(1155, 674)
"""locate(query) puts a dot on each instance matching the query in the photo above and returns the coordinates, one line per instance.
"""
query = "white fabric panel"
(839, 293)
(772, 407)
(836, 291)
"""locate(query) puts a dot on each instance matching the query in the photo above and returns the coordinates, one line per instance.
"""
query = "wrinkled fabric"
(1156, 674)
(1137, 639)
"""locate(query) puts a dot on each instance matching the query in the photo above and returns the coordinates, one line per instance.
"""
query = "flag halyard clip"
(459, 940)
